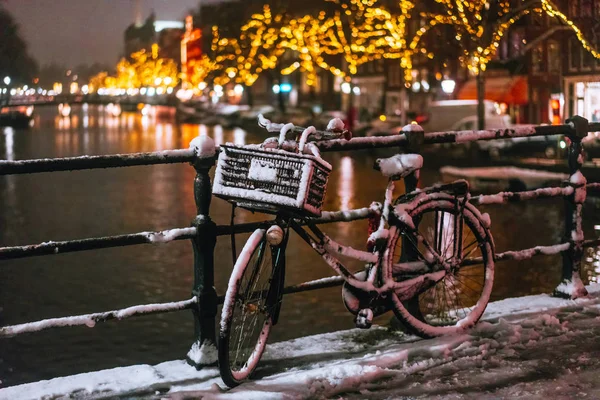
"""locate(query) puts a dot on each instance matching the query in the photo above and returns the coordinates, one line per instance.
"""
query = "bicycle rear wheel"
(454, 231)
(247, 316)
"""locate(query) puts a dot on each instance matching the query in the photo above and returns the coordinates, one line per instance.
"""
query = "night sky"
(72, 32)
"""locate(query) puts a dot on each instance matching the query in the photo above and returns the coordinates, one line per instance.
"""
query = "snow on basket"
(271, 179)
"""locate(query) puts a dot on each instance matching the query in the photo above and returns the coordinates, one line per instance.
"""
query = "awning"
(502, 89)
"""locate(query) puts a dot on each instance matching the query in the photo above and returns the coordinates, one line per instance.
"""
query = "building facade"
(581, 71)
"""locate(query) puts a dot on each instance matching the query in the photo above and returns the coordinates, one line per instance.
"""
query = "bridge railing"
(203, 231)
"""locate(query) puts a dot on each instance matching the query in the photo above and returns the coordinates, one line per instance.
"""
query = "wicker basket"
(271, 180)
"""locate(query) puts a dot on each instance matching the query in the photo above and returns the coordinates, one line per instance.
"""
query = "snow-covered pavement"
(535, 347)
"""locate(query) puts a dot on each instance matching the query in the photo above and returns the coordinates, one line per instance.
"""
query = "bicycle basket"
(271, 180)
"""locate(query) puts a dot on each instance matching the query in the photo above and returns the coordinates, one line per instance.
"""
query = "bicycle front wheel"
(458, 234)
(246, 318)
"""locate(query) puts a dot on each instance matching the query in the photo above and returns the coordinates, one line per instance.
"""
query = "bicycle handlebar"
(335, 130)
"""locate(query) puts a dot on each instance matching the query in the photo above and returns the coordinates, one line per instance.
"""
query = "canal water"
(69, 205)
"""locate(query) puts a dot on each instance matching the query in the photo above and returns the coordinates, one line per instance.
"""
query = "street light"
(448, 86)
(7, 80)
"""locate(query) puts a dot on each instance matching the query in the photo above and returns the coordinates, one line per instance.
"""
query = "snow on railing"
(90, 320)
(203, 232)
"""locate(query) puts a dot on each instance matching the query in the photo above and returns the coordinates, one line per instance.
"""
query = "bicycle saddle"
(399, 166)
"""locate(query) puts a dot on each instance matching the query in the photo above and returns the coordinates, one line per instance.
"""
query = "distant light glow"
(356, 90)
(276, 89)
(238, 89)
(345, 185)
(346, 88)
(285, 87)
(7, 80)
(163, 24)
(64, 109)
(448, 86)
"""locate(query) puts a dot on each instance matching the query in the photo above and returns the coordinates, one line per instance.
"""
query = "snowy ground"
(535, 347)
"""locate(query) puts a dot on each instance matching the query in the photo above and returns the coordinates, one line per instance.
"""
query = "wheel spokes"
(250, 306)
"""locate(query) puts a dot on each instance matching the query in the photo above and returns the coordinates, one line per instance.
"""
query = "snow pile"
(168, 235)
(532, 347)
(400, 165)
(335, 124)
(503, 173)
(203, 355)
(204, 146)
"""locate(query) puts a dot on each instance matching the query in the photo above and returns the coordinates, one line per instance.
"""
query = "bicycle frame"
(380, 279)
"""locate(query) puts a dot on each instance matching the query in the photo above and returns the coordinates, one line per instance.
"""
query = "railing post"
(571, 285)
(203, 351)
(416, 137)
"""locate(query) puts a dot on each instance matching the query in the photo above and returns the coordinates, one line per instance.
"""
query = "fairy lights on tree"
(146, 69)
(358, 32)
(244, 58)
(553, 11)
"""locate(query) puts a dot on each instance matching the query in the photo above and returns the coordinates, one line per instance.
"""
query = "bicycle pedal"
(364, 318)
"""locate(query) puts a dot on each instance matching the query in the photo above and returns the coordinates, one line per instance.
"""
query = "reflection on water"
(9, 142)
(68, 205)
(345, 190)
(591, 264)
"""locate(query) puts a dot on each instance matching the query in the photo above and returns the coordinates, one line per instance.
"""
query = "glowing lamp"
(448, 86)
(346, 88)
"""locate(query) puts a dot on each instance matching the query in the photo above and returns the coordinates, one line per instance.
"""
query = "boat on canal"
(16, 116)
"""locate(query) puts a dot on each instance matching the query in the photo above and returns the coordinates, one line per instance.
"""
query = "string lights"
(355, 32)
(146, 69)
(481, 24)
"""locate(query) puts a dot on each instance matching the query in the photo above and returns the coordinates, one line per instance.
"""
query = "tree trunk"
(480, 101)
(403, 110)
(281, 99)
(249, 96)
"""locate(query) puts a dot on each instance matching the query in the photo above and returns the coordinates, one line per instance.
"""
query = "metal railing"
(203, 231)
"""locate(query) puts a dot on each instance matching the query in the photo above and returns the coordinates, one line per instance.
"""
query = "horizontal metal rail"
(202, 166)
(518, 255)
(450, 137)
(93, 162)
(61, 247)
(359, 143)
(49, 248)
(510, 197)
(90, 320)
(332, 281)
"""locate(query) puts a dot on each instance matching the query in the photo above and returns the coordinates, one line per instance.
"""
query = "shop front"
(582, 96)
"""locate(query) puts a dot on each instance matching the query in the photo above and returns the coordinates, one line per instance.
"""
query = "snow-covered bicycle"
(429, 258)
